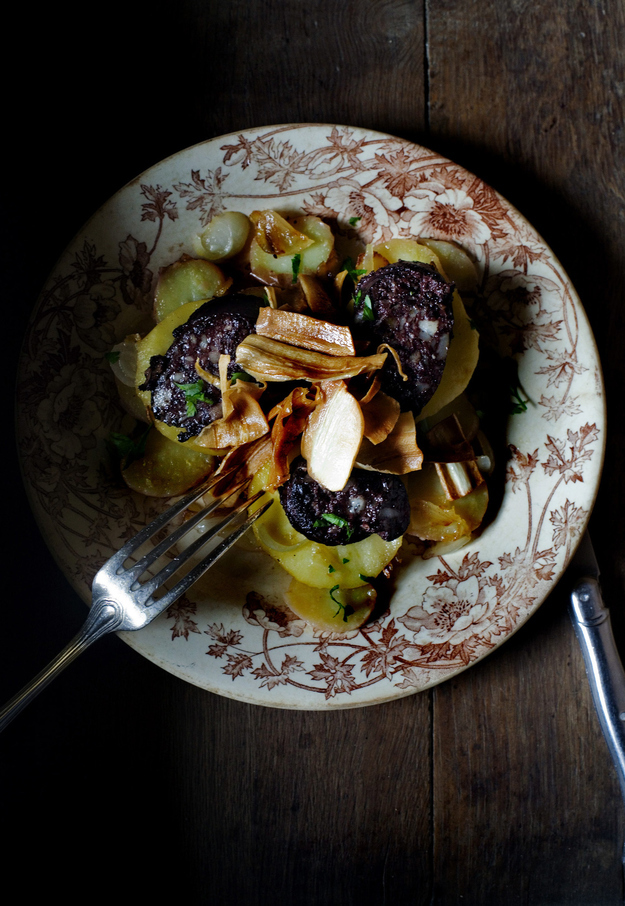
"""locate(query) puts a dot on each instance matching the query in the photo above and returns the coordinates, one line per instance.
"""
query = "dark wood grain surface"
(495, 787)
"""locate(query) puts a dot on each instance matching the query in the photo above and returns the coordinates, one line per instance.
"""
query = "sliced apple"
(332, 436)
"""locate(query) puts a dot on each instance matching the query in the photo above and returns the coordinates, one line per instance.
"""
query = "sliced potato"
(167, 468)
(394, 250)
(461, 362)
(346, 565)
(337, 610)
(224, 237)
(457, 264)
(188, 280)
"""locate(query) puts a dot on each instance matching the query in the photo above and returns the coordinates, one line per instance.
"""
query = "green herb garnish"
(366, 306)
(354, 220)
(517, 403)
(352, 270)
(296, 262)
(112, 357)
(331, 519)
(128, 448)
(518, 397)
(195, 393)
(242, 376)
(347, 609)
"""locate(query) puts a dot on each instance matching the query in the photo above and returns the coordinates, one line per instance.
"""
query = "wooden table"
(495, 787)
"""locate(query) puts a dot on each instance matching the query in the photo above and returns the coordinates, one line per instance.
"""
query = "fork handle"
(105, 616)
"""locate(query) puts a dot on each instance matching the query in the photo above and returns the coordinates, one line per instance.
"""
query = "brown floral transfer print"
(370, 188)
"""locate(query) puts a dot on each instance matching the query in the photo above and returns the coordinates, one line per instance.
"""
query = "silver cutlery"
(591, 620)
(121, 602)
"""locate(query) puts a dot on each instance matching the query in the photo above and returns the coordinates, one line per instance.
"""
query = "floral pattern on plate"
(233, 634)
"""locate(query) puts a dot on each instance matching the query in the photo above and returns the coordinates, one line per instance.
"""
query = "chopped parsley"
(112, 357)
(195, 393)
(331, 519)
(347, 609)
(366, 306)
(242, 376)
(352, 270)
(354, 220)
(296, 263)
(517, 403)
(129, 448)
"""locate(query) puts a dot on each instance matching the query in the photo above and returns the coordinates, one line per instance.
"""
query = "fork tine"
(198, 571)
(145, 589)
(117, 560)
(141, 565)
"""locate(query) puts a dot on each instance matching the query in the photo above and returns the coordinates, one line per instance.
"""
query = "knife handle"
(591, 620)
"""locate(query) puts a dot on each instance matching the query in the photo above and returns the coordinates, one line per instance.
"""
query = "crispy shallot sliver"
(242, 462)
(381, 413)
(396, 357)
(375, 383)
(271, 360)
(289, 418)
(303, 330)
(242, 419)
(398, 454)
(333, 436)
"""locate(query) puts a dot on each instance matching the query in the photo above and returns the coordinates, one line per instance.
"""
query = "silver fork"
(120, 602)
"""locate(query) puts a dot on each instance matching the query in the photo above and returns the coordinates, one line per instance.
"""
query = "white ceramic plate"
(233, 635)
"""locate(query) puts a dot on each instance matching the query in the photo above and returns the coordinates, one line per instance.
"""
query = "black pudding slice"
(409, 306)
(180, 397)
(370, 503)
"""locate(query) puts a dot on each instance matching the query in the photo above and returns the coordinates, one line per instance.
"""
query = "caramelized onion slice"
(271, 360)
(276, 236)
(302, 330)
